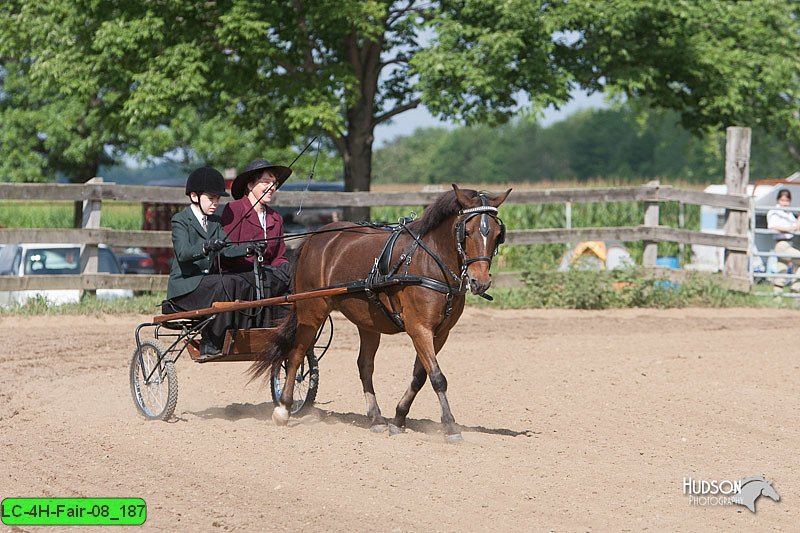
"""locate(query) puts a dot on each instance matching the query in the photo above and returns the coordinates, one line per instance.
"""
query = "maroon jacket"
(250, 229)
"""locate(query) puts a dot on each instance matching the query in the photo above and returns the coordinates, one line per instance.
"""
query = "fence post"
(737, 174)
(650, 219)
(91, 220)
(681, 224)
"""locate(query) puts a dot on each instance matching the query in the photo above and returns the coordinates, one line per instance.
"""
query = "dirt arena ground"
(572, 421)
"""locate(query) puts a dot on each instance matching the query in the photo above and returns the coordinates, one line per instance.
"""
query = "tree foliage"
(718, 63)
(223, 81)
(613, 144)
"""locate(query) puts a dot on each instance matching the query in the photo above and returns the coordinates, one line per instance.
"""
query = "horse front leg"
(418, 378)
(370, 340)
(427, 347)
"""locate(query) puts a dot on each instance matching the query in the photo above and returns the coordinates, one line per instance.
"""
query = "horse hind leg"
(370, 340)
(310, 316)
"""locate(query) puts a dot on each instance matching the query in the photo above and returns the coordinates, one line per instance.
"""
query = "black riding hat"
(253, 170)
(208, 180)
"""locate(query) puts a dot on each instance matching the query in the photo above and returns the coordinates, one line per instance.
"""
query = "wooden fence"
(94, 193)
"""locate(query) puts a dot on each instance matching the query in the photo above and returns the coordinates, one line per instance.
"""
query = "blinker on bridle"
(484, 211)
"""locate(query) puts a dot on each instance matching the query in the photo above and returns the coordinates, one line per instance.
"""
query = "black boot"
(208, 350)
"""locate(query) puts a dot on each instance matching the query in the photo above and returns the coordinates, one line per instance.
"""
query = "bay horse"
(414, 281)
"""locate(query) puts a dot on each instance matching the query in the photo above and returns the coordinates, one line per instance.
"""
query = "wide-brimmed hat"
(206, 179)
(253, 170)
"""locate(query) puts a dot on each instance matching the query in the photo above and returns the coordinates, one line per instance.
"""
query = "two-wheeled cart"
(154, 379)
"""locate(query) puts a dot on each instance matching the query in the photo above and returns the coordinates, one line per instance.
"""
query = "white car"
(35, 259)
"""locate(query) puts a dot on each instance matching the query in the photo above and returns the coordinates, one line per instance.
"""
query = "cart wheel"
(305, 385)
(155, 400)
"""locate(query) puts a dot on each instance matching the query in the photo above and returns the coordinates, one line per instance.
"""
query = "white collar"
(197, 213)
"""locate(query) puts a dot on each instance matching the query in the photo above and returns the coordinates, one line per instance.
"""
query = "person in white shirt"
(787, 225)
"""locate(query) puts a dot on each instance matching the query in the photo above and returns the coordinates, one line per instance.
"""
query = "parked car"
(310, 217)
(135, 261)
(36, 259)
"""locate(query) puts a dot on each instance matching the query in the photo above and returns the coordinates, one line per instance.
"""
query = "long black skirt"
(225, 287)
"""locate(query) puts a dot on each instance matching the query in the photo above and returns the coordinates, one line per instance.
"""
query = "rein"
(383, 275)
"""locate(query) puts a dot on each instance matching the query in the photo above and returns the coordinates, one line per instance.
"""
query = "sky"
(405, 123)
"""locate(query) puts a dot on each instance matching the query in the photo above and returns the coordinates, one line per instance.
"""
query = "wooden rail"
(134, 193)
(93, 194)
(514, 237)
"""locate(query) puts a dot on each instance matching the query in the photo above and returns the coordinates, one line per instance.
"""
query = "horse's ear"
(497, 200)
(461, 197)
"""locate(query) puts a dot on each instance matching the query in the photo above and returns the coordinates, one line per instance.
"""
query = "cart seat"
(184, 323)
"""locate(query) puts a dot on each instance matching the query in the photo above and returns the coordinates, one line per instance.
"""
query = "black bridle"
(485, 211)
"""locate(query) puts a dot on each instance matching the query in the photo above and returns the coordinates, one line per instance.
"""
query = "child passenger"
(198, 239)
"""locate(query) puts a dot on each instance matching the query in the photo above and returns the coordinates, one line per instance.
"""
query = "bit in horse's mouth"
(478, 289)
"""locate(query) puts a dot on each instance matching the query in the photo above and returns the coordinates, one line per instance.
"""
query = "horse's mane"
(445, 206)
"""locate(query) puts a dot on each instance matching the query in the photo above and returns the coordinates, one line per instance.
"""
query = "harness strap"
(382, 276)
(477, 258)
(423, 281)
(444, 268)
(380, 271)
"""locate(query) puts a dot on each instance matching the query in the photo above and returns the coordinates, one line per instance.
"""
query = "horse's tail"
(279, 349)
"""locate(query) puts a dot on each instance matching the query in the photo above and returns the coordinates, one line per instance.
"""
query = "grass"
(542, 290)
(44, 214)
(586, 289)
(148, 304)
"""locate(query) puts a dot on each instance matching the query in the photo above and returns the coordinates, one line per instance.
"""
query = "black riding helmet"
(206, 180)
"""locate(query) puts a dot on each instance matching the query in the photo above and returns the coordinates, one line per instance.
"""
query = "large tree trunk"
(357, 169)
(356, 145)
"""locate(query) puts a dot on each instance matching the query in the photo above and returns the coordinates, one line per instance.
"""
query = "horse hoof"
(395, 430)
(378, 428)
(280, 415)
(455, 438)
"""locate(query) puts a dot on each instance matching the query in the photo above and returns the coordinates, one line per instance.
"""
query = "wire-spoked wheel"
(157, 398)
(307, 380)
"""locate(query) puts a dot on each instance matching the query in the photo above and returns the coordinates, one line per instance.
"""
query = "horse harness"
(383, 275)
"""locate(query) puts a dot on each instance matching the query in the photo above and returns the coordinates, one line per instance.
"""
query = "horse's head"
(768, 490)
(478, 232)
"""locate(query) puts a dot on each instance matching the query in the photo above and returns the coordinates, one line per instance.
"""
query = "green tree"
(132, 75)
(280, 69)
(86, 82)
(409, 158)
(717, 63)
(617, 144)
